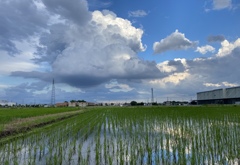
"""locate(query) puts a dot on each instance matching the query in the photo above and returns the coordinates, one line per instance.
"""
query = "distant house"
(7, 103)
(82, 104)
(65, 104)
(72, 104)
(77, 104)
(91, 104)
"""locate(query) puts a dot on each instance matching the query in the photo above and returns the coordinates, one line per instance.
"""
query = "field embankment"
(13, 121)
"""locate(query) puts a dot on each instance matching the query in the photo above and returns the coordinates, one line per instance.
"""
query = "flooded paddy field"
(133, 135)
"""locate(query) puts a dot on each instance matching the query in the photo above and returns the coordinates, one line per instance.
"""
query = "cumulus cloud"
(75, 10)
(137, 13)
(83, 48)
(21, 62)
(99, 49)
(177, 70)
(217, 38)
(107, 51)
(164, 67)
(114, 86)
(173, 65)
(228, 47)
(175, 41)
(15, 14)
(174, 78)
(205, 49)
(217, 69)
(200, 74)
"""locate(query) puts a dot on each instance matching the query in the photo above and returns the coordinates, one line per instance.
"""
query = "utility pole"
(152, 95)
(53, 94)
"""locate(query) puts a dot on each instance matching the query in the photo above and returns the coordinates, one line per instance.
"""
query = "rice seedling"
(133, 135)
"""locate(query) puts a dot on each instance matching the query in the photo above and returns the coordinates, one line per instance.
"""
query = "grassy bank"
(17, 120)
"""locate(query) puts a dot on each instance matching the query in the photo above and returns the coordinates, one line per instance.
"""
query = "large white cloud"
(49, 39)
(175, 41)
(85, 48)
(118, 29)
(104, 48)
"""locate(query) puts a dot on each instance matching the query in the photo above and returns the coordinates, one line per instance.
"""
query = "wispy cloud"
(218, 5)
(212, 85)
(137, 13)
(222, 4)
(96, 4)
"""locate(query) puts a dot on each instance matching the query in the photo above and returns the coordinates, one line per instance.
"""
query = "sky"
(117, 50)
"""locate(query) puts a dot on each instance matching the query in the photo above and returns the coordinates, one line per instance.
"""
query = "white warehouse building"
(220, 96)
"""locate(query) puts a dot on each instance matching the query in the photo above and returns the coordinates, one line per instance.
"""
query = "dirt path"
(26, 124)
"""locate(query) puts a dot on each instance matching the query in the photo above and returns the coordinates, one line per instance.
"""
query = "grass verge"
(21, 125)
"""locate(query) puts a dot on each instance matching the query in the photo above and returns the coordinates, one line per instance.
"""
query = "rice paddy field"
(133, 135)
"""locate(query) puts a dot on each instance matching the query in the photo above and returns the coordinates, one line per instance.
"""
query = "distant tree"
(154, 103)
(141, 103)
(72, 101)
(133, 103)
(193, 102)
(81, 101)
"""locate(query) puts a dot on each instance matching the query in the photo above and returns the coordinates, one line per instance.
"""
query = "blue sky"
(196, 19)
(116, 51)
